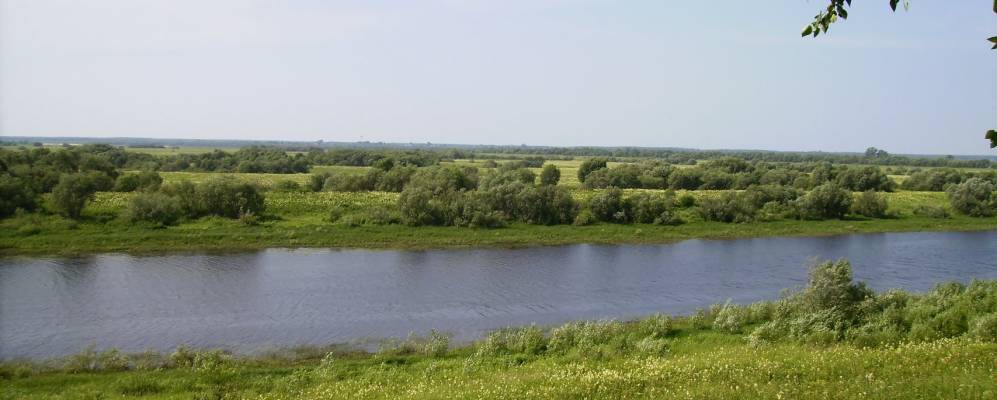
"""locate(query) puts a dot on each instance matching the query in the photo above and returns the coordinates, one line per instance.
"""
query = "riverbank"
(56, 236)
(728, 351)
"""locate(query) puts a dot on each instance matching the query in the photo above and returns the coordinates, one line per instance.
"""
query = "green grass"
(698, 364)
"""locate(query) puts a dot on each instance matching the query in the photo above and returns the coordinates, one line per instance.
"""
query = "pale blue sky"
(717, 74)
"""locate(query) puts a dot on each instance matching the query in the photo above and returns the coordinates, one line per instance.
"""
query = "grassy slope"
(699, 364)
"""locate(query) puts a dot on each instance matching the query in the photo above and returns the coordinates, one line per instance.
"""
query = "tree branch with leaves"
(836, 9)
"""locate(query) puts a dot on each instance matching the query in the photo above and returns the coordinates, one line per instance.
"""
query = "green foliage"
(863, 179)
(647, 208)
(230, 198)
(728, 207)
(155, 207)
(145, 180)
(870, 204)
(73, 192)
(824, 202)
(15, 194)
(589, 166)
(608, 206)
(973, 197)
(550, 175)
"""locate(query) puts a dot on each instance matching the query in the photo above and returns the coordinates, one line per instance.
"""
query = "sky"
(659, 73)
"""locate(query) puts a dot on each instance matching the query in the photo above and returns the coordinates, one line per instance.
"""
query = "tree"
(836, 9)
(72, 193)
(973, 197)
(589, 166)
(550, 175)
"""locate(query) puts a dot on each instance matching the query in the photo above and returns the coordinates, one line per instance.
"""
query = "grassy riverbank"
(813, 344)
(52, 235)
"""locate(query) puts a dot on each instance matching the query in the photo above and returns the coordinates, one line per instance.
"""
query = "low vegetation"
(833, 335)
(85, 198)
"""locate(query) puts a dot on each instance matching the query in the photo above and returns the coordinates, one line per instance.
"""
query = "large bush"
(589, 166)
(229, 198)
(728, 207)
(14, 194)
(155, 207)
(73, 192)
(145, 180)
(973, 197)
(870, 204)
(608, 206)
(648, 208)
(824, 202)
(550, 175)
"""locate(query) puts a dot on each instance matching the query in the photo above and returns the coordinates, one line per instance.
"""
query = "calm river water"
(278, 297)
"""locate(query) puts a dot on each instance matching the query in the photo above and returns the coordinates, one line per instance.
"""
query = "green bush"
(974, 197)
(550, 175)
(728, 207)
(826, 201)
(870, 204)
(72, 193)
(145, 180)
(154, 207)
(589, 166)
(15, 194)
(229, 198)
(608, 205)
(584, 217)
(985, 327)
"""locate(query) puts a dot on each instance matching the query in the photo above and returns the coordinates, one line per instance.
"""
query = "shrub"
(729, 207)
(547, 205)
(584, 217)
(589, 166)
(154, 207)
(985, 327)
(656, 326)
(395, 179)
(317, 181)
(651, 346)
(14, 194)
(608, 205)
(550, 175)
(229, 198)
(686, 178)
(654, 209)
(72, 193)
(870, 204)
(974, 197)
(731, 318)
(419, 206)
(436, 344)
(824, 202)
(145, 180)
(863, 179)
(686, 200)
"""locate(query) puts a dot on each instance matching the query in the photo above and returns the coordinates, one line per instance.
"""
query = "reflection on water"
(277, 297)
